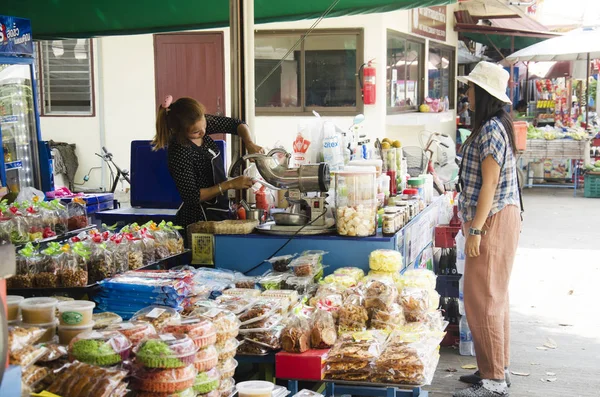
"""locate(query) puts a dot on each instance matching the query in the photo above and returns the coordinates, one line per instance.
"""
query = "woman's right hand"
(240, 183)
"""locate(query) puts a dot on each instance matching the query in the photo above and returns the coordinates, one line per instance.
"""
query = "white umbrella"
(577, 44)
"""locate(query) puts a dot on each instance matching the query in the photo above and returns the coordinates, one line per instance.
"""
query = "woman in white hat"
(489, 208)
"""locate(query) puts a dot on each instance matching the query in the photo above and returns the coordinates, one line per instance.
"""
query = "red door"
(192, 65)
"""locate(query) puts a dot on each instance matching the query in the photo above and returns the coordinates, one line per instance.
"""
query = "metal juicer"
(301, 184)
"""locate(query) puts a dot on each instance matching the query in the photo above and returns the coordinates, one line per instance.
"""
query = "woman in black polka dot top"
(195, 161)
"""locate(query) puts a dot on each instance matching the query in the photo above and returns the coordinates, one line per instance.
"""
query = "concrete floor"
(553, 295)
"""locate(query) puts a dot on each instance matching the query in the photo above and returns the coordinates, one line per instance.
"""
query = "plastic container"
(377, 163)
(12, 303)
(135, 331)
(38, 310)
(227, 387)
(242, 292)
(228, 350)
(227, 323)
(164, 380)
(300, 284)
(206, 359)
(280, 263)
(305, 265)
(158, 316)
(202, 331)
(206, 382)
(419, 184)
(389, 160)
(50, 330)
(273, 281)
(101, 348)
(520, 128)
(75, 312)
(255, 388)
(356, 202)
(428, 188)
(184, 393)
(235, 304)
(66, 333)
(290, 296)
(227, 368)
(103, 320)
(166, 351)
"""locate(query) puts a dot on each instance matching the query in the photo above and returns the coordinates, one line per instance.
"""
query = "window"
(318, 74)
(440, 73)
(404, 72)
(65, 77)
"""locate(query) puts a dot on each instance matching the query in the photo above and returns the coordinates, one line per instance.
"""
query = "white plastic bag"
(306, 148)
(332, 146)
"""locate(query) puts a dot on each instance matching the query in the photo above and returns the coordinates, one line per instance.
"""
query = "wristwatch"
(476, 232)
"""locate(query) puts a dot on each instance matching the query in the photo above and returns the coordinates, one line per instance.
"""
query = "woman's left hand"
(253, 148)
(472, 246)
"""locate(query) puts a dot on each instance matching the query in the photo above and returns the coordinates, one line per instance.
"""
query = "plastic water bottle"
(466, 346)
(460, 267)
(461, 296)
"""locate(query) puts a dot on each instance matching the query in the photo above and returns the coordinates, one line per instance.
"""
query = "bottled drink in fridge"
(466, 347)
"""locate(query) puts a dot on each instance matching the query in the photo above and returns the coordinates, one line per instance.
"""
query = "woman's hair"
(488, 106)
(175, 121)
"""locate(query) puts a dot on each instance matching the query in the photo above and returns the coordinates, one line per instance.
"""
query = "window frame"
(391, 110)
(41, 90)
(304, 110)
(451, 73)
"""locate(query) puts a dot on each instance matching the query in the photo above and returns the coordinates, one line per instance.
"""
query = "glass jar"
(400, 218)
(419, 184)
(356, 201)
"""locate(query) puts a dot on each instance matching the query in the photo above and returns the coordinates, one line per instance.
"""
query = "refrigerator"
(21, 147)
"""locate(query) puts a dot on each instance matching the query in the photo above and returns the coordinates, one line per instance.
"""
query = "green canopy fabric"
(56, 19)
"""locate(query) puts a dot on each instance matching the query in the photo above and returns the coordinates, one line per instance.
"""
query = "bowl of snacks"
(101, 348)
(166, 351)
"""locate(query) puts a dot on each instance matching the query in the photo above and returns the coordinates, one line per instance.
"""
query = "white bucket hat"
(491, 77)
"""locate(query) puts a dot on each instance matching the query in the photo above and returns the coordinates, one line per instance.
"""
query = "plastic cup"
(12, 302)
(66, 333)
(75, 312)
(255, 388)
(38, 310)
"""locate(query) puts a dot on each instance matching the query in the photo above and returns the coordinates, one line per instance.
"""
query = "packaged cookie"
(323, 333)
(296, 335)
(352, 315)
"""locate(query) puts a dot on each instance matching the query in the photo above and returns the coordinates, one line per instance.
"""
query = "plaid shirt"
(492, 141)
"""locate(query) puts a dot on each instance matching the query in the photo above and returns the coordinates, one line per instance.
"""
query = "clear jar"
(356, 201)
(389, 160)
(401, 218)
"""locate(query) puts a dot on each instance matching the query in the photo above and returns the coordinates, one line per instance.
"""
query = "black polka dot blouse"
(191, 169)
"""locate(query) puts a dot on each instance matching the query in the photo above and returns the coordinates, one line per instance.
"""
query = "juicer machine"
(305, 187)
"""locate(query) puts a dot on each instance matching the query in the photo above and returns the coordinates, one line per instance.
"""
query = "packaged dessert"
(302, 285)
(38, 310)
(343, 280)
(206, 382)
(206, 359)
(75, 312)
(158, 316)
(353, 316)
(12, 304)
(290, 296)
(387, 319)
(101, 348)
(280, 263)
(380, 295)
(385, 261)
(243, 281)
(226, 322)
(352, 356)
(166, 351)
(250, 348)
(28, 260)
(53, 258)
(419, 278)
(82, 380)
(101, 264)
(120, 249)
(272, 281)
(33, 375)
(201, 330)
(255, 388)
(269, 338)
(27, 356)
(415, 302)
(62, 217)
(66, 333)
(295, 337)
(54, 352)
(235, 304)
(246, 292)
(261, 310)
(148, 247)
(135, 331)
(264, 323)
(228, 350)
(48, 328)
(135, 254)
(323, 333)
(227, 387)
(74, 272)
(354, 272)
(169, 380)
(305, 265)
(103, 320)
(19, 337)
(77, 212)
(227, 368)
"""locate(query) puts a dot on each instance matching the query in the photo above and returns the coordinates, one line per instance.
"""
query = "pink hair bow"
(167, 102)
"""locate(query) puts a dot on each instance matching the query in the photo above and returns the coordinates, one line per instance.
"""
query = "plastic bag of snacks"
(78, 380)
(118, 245)
(174, 239)
(415, 302)
(380, 295)
(135, 252)
(385, 261)
(343, 280)
(354, 272)
(28, 259)
(49, 219)
(419, 278)
(19, 230)
(77, 211)
(101, 264)
(74, 273)
(35, 227)
(388, 319)
(352, 356)
(62, 217)
(27, 356)
(161, 240)
(227, 323)
(352, 315)
(19, 337)
(53, 258)
(149, 247)
(295, 337)
(323, 333)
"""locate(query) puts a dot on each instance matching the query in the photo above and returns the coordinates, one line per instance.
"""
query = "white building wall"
(125, 96)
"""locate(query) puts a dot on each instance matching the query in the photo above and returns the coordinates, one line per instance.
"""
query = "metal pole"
(512, 74)
(527, 83)
(587, 90)
(236, 33)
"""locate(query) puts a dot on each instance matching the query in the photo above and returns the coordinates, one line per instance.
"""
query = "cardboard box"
(309, 365)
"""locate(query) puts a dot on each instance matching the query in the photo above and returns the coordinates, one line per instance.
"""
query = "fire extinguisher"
(366, 77)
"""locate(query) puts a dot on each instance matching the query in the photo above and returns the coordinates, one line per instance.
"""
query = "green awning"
(503, 41)
(89, 18)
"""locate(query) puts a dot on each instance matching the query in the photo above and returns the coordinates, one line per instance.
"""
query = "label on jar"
(156, 312)
(72, 318)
